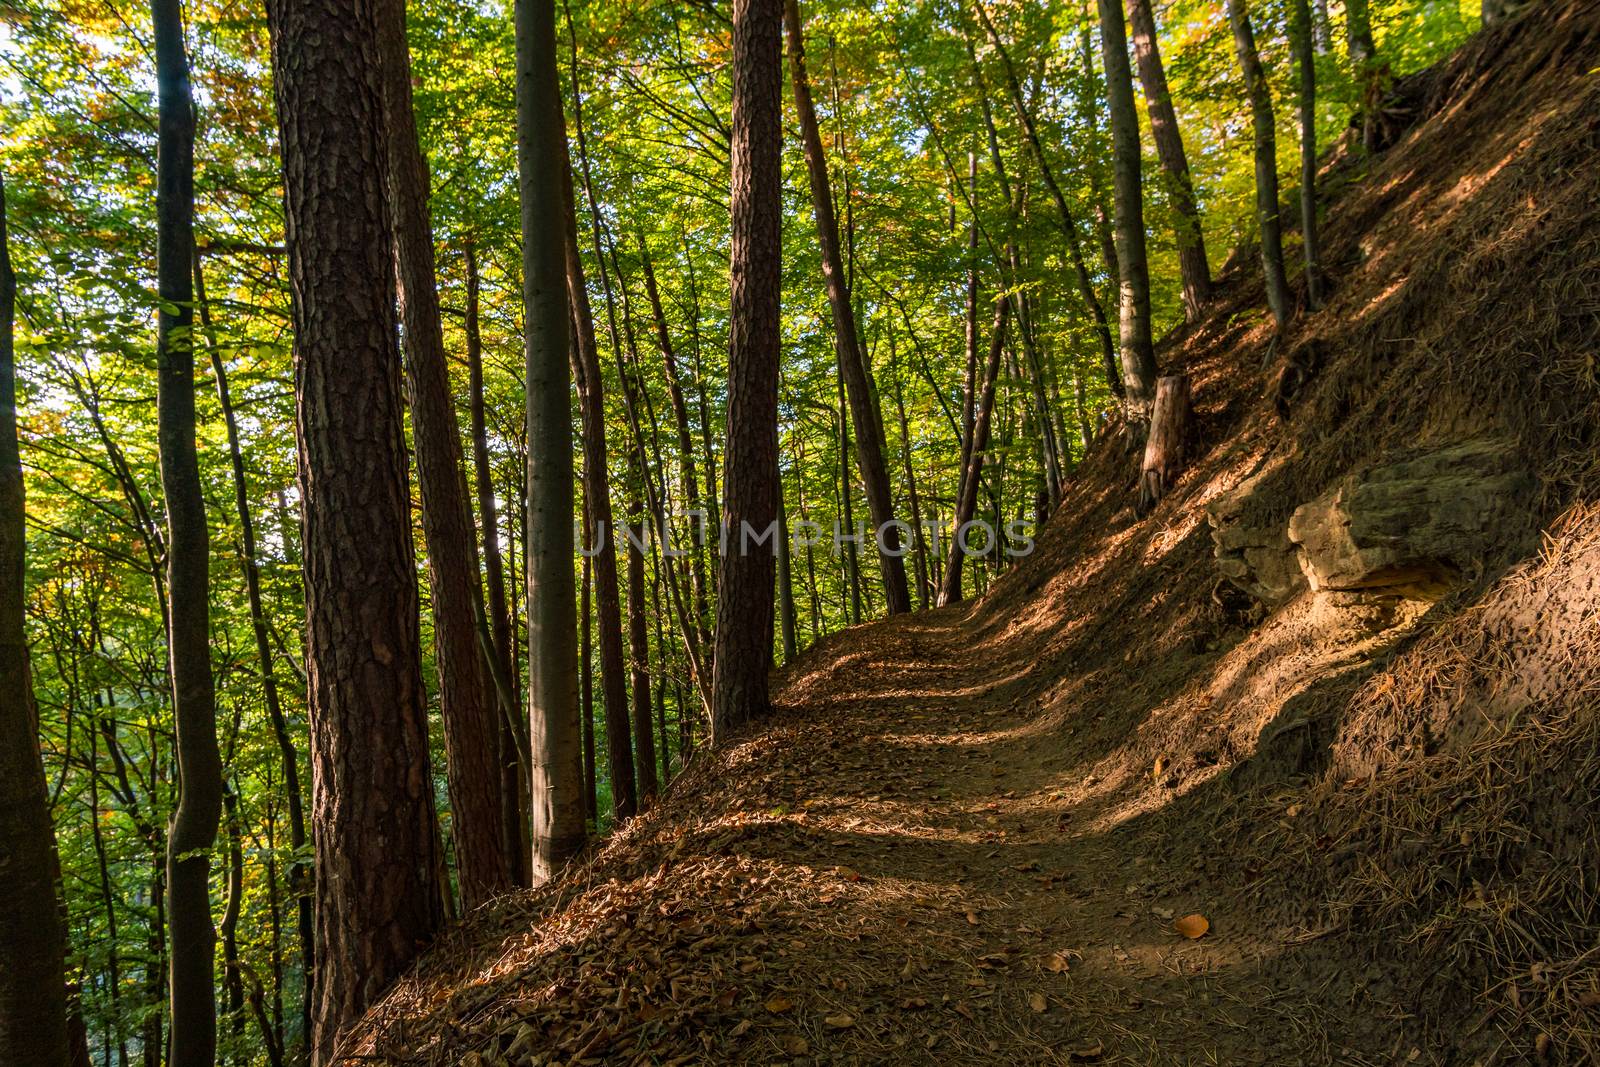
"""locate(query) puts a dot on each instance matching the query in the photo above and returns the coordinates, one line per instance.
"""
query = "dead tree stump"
(1166, 449)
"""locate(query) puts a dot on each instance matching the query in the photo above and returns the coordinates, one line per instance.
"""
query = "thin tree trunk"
(33, 990)
(920, 544)
(377, 846)
(1192, 264)
(548, 245)
(969, 380)
(1322, 27)
(750, 476)
(967, 503)
(1300, 32)
(513, 818)
(1135, 341)
(467, 702)
(864, 411)
(586, 689)
(232, 980)
(852, 555)
(199, 804)
(1268, 222)
(299, 875)
(786, 616)
(644, 754)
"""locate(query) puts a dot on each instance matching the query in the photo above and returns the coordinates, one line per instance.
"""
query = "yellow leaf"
(1193, 926)
(840, 1021)
(796, 1045)
(779, 1005)
(972, 918)
(1057, 963)
(1037, 1002)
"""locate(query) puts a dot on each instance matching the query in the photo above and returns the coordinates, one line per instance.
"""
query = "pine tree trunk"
(1268, 221)
(864, 413)
(750, 474)
(33, 991)
(556, 805)
(199, 770)
(377, 858)
(1135, 341)
(1192, 264)
(467, 702)
(967, 503)
(1300, 33)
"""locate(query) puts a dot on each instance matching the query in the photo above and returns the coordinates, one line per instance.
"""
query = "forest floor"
(979, 834)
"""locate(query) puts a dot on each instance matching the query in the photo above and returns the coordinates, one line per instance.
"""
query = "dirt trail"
(899, 870)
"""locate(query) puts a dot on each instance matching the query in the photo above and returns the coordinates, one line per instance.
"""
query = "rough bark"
(1167, 449)
(377, 850)
(750, 473)
(556, 793)
(466, 697)
(1269, 224)
(967, 504)
(864, 412)
(1135, 343)
(199, 764)
(33, 992)
(1193, 266)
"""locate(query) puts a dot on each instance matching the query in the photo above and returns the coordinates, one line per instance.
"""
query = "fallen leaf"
(737, 1031)
(1037, 1002)
(1057, 963)
(972, 918)
(1089, 1050)
(796, 1045)
(1160, 765)
(1193, 926)
(840, 1021)
(779, 1005)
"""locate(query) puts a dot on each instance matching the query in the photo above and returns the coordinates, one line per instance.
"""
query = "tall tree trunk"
(786, 615)
(969, 379)
(864, 411)
(1268, 221)
(33, 990)
(556, 797)
(377, 850)
(967, 503)
(586, 685)
(644, 749)
(1135, 341)
(1069, 227)
(513, 821)
(1192, 264)
(232, 976)
(750, 475)
(920, 543)
(199, 805)
(467, 702)
(299, 876)
(852, 555)
(686, 464)
(1300, 32)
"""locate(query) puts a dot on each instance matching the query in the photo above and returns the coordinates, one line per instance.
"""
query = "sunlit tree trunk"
(1193, 267)
(1300, 33)
(377, 844)
(967, 504)
(864, 412)
(199, 772)
(750, 475)
(556, 740)
(1269, 223)
(1136, 345)
(33, 992)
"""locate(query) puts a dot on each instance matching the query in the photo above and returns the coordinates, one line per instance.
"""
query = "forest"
(467, 462)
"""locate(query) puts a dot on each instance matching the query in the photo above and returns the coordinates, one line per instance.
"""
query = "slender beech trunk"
(852, 554)
(228, 928)
(920, 544)
(586, 686)
(199, 805)
(686, 464)
(299, 875)
(786, 616)
(1069, 226)
(644, 750)
(513, 819)
(1300, 32)
(967, 503)
(467, 702)
(1136, 345)
(1322, 27)
(377, 846)
(969, 380)
(1268, 221)
(864, 411)
(33, 990)
(556, 797)
(750, 475)
(1192, 264)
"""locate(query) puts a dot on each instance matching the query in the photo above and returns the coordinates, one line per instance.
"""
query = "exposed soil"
(969, 835)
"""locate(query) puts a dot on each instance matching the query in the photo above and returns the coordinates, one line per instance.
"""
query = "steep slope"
(969, 833)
